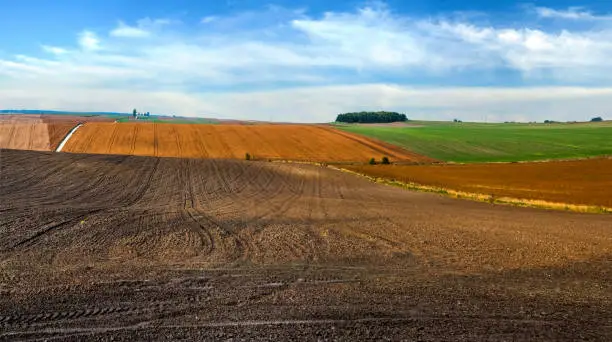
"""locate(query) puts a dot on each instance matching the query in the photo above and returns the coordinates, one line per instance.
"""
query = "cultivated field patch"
(38, 132)
(289, 142)
(129, 247)
(579, 182)
(481, 142)
(24, 132)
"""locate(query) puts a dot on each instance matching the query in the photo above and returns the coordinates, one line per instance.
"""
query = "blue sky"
(306, 61)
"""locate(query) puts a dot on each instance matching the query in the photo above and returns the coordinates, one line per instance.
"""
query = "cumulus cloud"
(88, 40)
(127, 31)
(301, 64)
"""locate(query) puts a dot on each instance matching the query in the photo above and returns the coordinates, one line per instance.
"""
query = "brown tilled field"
(25, 132)
(291, 142)
(38, 132)
(142, 248)
(586, 182)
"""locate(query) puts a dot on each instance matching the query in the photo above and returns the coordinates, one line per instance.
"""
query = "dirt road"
(94, 247)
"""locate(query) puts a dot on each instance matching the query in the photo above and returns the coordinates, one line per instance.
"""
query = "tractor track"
(46, 229)
(134, 248)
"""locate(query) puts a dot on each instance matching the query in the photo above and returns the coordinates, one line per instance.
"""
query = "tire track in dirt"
(179, 152)
(200, 143)
(191, 203)
(226, 231)
(112, 139)
(143, 186)
(277, 210)
(155, 141)
(84, 192)
(10, 136)
(38, 178)
(86, 146)
(98, 312)
(89, 193)
(145, 244)
(30, 140)
(47, 229)
(133, 148)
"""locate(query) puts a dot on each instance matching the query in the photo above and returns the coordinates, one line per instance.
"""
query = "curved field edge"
(480, 197)
(480, 142)
(262, 142)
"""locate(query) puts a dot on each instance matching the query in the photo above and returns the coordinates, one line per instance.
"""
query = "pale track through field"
(257, 248)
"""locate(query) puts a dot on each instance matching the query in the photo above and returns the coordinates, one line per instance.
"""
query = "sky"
(307, 61)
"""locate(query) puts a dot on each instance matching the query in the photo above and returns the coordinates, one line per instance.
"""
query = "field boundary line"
(67, 137)
(478, 197)
(386, 148)
(553, 160)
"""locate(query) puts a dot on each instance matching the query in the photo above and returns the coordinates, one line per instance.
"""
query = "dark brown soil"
(100, 247)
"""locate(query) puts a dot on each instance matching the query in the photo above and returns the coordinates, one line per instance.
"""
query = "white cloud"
(321, 104)
(175, 70)
(126, 31)
(88, 40)
(572, 13)
(359, 45)
(144, 28)
(54, 50)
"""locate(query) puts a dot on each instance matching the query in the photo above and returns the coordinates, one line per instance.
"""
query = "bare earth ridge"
(128, 247)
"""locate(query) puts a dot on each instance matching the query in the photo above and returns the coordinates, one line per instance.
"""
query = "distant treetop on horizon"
(371, 117)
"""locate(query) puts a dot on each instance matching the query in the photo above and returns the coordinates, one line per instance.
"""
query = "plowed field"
(141, 248)
(293, 142)
(37, 132)
(24, 132)
(586, 182)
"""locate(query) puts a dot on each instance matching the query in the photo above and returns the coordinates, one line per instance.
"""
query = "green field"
(480, 142)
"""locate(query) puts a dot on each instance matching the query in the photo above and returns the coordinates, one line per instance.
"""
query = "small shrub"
(372, 161)
(247, 156)
(597, 119)
(385, 161)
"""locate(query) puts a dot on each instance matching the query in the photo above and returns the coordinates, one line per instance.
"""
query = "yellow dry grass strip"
(521, 202)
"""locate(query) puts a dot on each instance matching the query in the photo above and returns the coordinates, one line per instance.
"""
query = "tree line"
(371, 117)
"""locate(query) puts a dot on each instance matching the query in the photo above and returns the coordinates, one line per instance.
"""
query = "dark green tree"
(371, 117)
(385, 160)
(372, 161)
(597, 119)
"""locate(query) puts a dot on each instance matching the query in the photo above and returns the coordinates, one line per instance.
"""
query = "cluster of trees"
(597, 119)
(136, 114)
(371, 117)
